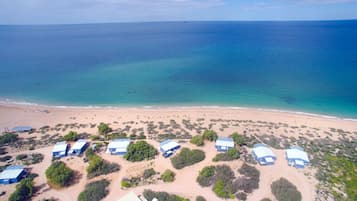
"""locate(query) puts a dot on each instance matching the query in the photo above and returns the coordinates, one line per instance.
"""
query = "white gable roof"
(130, 197)
(262, 152)
(119, 144)
(11, 172)
(79, 144)
(297, 154)
(60, 147)
(168, 145)
(224, 142)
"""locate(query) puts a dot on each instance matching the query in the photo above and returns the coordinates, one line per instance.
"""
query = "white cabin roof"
(262, 152)
(11, 172)
(297, 154)
(79, 144)
(225, 142)
(168, 145)
(130, 197)
(119, 144)
(60, 147)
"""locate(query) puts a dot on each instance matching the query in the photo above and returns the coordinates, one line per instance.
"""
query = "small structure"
(12, 174)
(60, 149)
(118, 146)
(168, 147)
(263, 155)
(21, 129)
(297, 157)
(131, 196)
(224, 143)
(78, 147)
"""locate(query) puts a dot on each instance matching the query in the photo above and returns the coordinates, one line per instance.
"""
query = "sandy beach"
(191, 120)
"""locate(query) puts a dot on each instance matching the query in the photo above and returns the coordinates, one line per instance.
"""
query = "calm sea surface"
(303, 66)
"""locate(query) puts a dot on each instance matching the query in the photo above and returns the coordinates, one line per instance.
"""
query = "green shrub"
(197, 140)
(162, 196)
(205, 177)
(200, 198)
(210, 135)
(168, 176)
(8, 138)
(59, 174)
(283, 190)
(140, 151)
(220, 190)
(71, 136)
(5, 158)
(94, 191)
(21, 157)
(125, 183)
(241, 196)
(187, 157)
(230, 155)
(104, 129)
(250, 180)
(149, 173)
(98, 166)
(36, 158)
(238, 139)
(265, 199)
(24, 191)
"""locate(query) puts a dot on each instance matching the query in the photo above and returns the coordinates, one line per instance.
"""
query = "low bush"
(5, 158)
(140, 151)
(200, 198)
(59, 174)
(231, 154)
(250, 179)
(168, 176)
(221, 190)
(104, 129)
(241, 196)
(149, 173)
(162, 196)
(197, 140)
(8, 138)
(187, 157)
(71, 136)
(238, 139)
(210, 135)
(205, 177)
(94, 191)
(283, 190)
(24, 191)
(265, 199)
(21, 157)
(98, 166)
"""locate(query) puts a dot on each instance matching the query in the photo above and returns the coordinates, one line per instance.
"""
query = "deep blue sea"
(299, 66)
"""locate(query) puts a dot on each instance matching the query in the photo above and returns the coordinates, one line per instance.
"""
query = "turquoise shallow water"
(303, 66)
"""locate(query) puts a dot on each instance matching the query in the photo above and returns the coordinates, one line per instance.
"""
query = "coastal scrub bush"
(250, 179)
(220, 189)
(59, 174)
(197, 140)
(149, 173)
(94, 191)
(200, 198)
(230, 155)
(241, 196)
(21, 157)
(140, 151)
(210, 135)
(187, 157)
(238, 139)
(8, 138)
(283, 190)
(162, 196)
(104, 129)
(24, 191)
(98, 166)
(125, 183)
(71, 136)
(5, 158)
(168, 176)
(205, 177)
(265, 199)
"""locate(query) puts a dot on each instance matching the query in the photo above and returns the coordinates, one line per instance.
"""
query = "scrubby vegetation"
(265, 199)
(162, 196)
(168, 176)
(71, 136)
(200, 198)
(21, 157)
(8, 138)
(149, 173)
(238, 139)
(94, 191)
(187, 157)
(98, 166)
(24, 191)
(231, 154)
(104, 129)
(205, 177)
(140, 151)
(59, 175)
(197, 140)
(5, 158)
(283, 190)
(250, 179)
(210, 135)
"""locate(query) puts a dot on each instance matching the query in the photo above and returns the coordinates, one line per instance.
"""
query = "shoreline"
(8, 102)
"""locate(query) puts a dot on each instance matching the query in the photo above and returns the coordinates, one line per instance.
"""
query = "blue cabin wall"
(13, 180)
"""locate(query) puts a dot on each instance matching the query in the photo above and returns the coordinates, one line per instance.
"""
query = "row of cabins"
(61, 148)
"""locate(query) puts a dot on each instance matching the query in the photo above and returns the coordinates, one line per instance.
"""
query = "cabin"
(131, 196)
(60, 149)
(12, 174)
(21, 129)
(118, 146)
(79, 147)
(263, 154)
(224, 143)
(297, 157)
(168, 147)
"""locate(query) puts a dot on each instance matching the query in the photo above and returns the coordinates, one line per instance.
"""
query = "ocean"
(297, 66)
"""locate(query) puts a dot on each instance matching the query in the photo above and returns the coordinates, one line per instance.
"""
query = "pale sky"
(97, 11)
